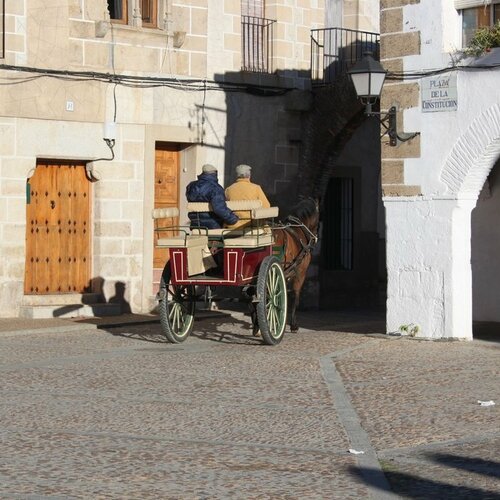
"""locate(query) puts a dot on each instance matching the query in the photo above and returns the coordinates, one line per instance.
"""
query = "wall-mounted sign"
(439, 93)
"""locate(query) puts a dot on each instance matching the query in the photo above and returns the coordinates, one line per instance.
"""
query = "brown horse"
(297, 236)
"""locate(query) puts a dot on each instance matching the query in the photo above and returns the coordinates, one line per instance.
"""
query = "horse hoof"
(294, 329)
(256, 332)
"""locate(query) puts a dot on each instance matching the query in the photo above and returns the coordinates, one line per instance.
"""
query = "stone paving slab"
(113, 411)
(92, 465)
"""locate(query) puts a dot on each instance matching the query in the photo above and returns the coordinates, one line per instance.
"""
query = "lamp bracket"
(389, 121)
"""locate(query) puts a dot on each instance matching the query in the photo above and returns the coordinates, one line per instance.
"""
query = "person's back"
(207, 189)
(244, 189)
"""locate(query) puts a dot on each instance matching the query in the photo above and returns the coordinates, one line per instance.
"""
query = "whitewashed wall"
(428, 237)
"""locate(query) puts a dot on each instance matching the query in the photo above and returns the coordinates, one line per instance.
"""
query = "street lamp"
(368, 77)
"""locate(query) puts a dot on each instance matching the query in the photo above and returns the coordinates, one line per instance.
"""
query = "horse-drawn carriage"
(253, 258)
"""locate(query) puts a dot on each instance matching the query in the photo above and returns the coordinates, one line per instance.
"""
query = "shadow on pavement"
(223, 327)
(476, 465)
(412, 486)
(362, 321)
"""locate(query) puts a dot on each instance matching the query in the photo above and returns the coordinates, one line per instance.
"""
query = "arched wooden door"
(58, 232)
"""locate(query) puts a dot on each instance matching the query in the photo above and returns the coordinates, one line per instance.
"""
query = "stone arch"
(473, 155)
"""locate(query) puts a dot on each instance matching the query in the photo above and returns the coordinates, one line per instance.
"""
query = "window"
(149, 13)
(256, 37)
(119, 12)
(482, 16)
(338, 224)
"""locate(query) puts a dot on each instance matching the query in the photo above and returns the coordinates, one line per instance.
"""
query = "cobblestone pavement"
(112, 411)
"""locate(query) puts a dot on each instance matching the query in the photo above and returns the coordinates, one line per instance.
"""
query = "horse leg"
(296, 289)
(293, 301)
(253, 317)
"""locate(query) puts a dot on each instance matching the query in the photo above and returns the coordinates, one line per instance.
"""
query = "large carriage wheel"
(272, 305)
(176, 307)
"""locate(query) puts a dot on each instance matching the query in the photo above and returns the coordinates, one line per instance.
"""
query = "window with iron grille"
(256, 37)
(119, 12)
(338, 226)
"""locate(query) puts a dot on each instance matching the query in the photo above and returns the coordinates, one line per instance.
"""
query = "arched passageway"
(471, 172)
(485, 261)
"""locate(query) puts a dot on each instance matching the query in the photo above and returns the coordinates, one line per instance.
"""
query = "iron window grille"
(257, 34)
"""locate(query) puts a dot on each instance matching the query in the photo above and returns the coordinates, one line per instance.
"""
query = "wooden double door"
(58, 229)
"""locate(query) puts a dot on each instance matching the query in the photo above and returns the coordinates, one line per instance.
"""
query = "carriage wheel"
(176, 307)
(272, 305)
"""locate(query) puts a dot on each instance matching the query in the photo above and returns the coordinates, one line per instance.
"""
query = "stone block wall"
(395, 45)
(361, 15)
(55, 118)
(12, 216)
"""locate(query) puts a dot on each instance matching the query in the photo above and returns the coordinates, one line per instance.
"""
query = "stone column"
(137, 15)
(429, 290)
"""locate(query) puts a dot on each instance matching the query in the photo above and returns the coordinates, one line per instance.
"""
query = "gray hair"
(243, 170)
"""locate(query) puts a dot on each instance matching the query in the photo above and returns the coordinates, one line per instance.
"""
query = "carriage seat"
(253, 235)
(199, 257)
(184, 240)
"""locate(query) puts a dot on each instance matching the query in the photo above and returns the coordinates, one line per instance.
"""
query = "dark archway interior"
(485, 251)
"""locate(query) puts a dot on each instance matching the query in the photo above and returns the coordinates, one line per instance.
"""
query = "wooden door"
(166, 194)
(57, 229)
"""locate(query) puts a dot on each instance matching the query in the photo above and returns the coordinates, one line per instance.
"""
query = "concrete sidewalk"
(258, 420)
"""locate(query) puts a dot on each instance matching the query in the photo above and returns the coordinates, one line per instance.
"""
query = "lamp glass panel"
(368, 84)
(361, 83)
(377, 83)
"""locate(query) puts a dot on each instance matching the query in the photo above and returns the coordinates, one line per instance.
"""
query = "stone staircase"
(67, 306)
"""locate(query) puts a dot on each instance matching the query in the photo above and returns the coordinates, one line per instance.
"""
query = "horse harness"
(305, 247)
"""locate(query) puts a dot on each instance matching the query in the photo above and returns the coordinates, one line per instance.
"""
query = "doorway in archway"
(485, 261)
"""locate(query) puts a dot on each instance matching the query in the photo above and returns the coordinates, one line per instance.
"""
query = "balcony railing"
(335, 50)
(257, 44)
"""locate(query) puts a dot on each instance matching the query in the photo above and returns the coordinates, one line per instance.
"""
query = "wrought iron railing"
(335, 50)
(257, 44)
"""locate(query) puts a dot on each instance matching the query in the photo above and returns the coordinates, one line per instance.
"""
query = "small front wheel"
(272, 304)
(176, 307)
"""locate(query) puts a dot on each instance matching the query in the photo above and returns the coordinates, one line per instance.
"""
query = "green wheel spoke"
(272, 310)
(274, 322)
(176, 308)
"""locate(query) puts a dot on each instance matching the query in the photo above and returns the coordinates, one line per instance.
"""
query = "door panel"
(166, 195)
(58, 230)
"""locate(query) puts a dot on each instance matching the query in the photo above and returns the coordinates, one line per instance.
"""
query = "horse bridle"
(306, 248)
(313, 238)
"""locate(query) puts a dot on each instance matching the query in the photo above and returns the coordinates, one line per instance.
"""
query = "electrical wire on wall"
(195, 85)
(203, 113)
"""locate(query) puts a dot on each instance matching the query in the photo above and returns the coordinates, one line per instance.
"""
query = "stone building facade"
(165, 87)
(433, 183)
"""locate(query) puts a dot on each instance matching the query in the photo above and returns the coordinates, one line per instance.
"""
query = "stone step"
(66, 310)
(61, 299)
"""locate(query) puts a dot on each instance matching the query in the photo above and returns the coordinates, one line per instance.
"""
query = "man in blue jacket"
(208, 189)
